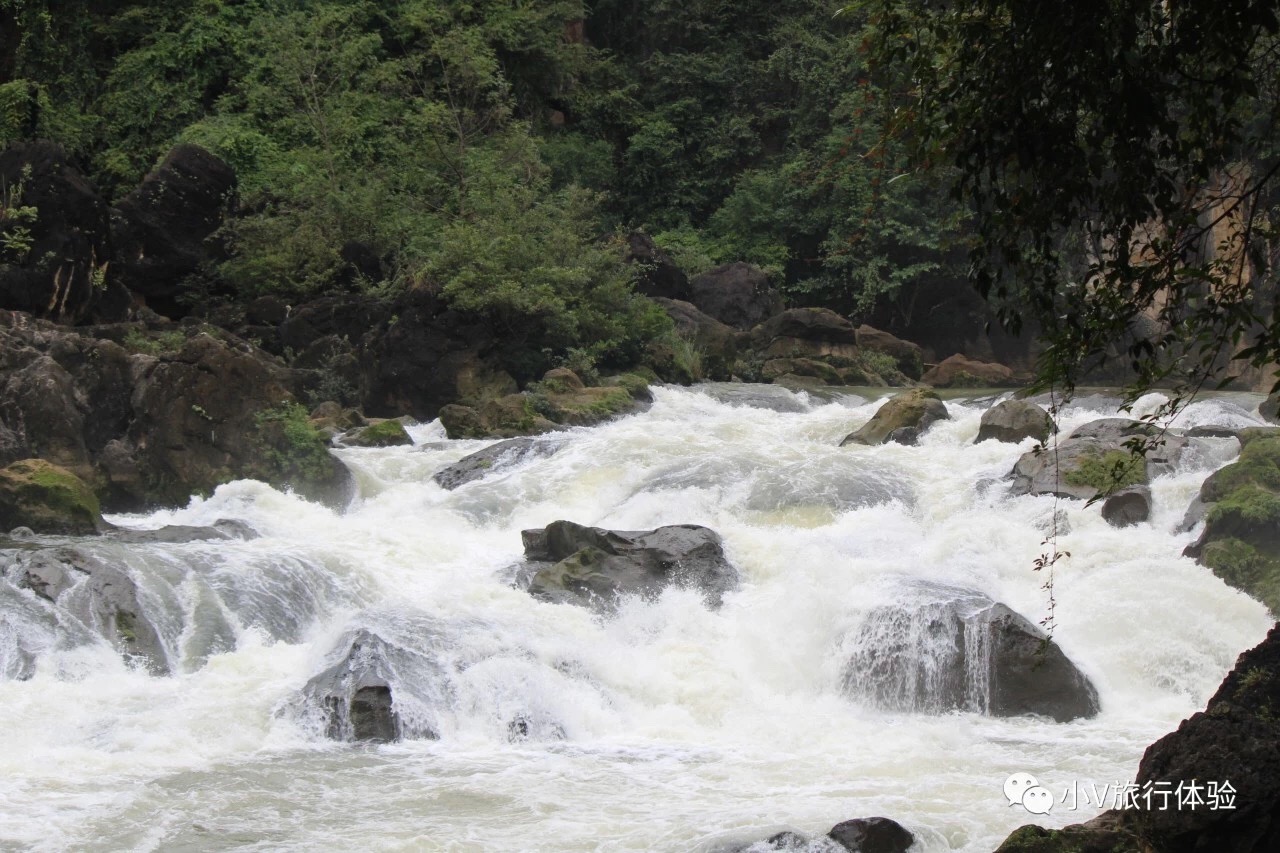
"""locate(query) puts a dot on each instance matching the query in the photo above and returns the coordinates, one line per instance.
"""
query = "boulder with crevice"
(1128, 506)
(594, 567)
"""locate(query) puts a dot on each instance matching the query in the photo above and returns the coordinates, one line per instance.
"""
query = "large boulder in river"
(47, 499)
(159, 230)
(1098, 459)
(1127, 507)
(1241, 537)
(940, 649)
(1014, 420)
(736, 294)
(902, 419)
(591, 566)
(551, 404)
(381, 685)
(65, 273)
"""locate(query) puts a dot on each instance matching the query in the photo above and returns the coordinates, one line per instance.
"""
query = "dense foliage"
(1120, 161)
(495, 150)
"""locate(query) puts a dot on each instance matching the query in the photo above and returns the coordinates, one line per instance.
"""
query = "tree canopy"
(1119, 160)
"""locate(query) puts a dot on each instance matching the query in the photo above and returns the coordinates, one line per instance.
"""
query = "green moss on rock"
(37, 494)
(389, 433)
(1108, 472)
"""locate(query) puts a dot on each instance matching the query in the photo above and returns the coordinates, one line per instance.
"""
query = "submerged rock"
(1014, 420)
(102, 598)
(912, 412)
(591, 566)
(47, 499)
(945, 648)
(493, 459)
(177, 534)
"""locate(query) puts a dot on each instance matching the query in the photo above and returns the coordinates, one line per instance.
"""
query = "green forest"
(876, 158)
(499, 150)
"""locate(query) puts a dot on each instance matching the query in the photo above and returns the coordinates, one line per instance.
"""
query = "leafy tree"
(1119, 161)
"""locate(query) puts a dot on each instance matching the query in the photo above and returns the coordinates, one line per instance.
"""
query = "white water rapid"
(666, 726)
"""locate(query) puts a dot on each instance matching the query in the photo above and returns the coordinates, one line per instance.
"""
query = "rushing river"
(667, 726)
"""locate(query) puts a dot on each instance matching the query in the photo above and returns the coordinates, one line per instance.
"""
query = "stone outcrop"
(737, 294)
(1013, 421)
(101, 597)
(908, 356)
(1241, 507)
(942, 649)
(1096, 459)
(47, 499)
(150, 418)
(594, 567)
(1235, 740)
(159, 230)
(715, 343)
(959, 371)
(657, 274)
(902, 419)
(384, 433)
(860, 835)
(66, 274)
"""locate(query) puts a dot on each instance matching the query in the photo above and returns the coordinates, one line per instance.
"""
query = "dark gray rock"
(944, 648)
(736, 294)
(657, 274)
(360, 695)
(593, 567)
(502, 456)
(1014, 420)
(872, 835)
(101, 597)
(1127, 507)
(1079, 467)
(177, 534)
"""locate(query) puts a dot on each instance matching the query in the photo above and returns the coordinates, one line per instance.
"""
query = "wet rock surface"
(1097, 459)
(945, 648)
(590, 566)
(903, 419)
(503, 456)
(1013, 421)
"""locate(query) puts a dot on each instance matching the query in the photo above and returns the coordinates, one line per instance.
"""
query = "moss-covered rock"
(913, 410)
(37, 494)
(389, 433)
(1241, 538)
(548, 405)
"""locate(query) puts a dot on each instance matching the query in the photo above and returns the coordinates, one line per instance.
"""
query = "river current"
(665, 726)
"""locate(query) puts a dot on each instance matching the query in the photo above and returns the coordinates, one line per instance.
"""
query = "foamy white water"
(665, 727)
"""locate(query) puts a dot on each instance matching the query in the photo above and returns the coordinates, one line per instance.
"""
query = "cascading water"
(662, 725)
